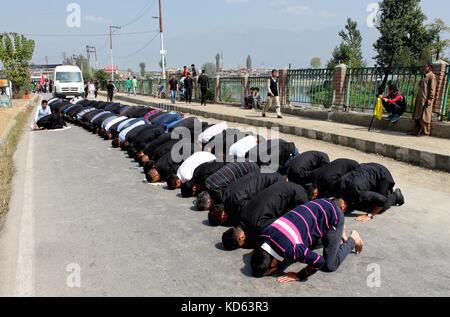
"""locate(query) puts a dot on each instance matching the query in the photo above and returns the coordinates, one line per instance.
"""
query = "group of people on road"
(91, 89)
(280, 201)
(132, 86)
(42, 87)
(188, 82)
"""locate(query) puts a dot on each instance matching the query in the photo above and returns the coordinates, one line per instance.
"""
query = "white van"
(68, 82)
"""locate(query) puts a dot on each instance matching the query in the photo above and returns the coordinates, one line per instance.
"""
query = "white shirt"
(123, 134)
(211, 132)
(242, 147)
(91, 88)
(41, 112)
(186, 171)
(115, 121)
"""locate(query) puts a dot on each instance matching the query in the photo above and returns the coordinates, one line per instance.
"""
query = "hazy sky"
(275, 33)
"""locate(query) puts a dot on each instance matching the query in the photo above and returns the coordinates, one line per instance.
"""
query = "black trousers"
(188, 95)
(110, 96)
(394, 109)
(334, 251)
(204, 92)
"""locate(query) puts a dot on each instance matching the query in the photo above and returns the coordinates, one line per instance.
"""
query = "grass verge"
(7, 160)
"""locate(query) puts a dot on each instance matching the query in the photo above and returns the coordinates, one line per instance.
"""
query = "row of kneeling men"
(277, 199)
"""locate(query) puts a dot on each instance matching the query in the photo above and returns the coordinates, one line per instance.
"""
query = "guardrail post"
(216, 89)
(339, 88)
(246, 86)
(283, 86)
(440, 70)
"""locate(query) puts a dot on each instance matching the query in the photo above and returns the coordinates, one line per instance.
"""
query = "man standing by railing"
(423, 111)
(274, 95)
(203, 83)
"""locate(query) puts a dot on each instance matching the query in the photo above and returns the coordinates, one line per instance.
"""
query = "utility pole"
(111, 48)
(163, 51)
(91, 50)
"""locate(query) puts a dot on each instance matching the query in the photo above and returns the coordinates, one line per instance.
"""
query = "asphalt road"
(84, 223)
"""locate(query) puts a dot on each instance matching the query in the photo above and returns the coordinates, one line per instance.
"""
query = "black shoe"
(280, 117)
(400, 197)
(264, 115)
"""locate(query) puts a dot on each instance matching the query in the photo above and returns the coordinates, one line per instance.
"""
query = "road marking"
(24, 270)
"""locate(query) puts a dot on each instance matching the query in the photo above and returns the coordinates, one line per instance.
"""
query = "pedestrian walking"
(274, 95)
(135, 85)
(111, 89)
(128, 86)
(91, 88)
(203, 82)
(188, 86)
(173, 87)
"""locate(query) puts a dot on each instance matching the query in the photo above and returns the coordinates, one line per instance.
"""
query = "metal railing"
(310, 86)
(231, 90)
(362, 86)
(316, 87)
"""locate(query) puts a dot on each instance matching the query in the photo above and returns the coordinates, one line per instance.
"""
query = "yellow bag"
(378, 111)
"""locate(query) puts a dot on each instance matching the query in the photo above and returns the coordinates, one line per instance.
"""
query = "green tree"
(102, 77)
(349, 51)
(316, 63)
(210, 69)
(404, 34)
(16, 51)
(142, 67)
(439, 45)
(249, 63)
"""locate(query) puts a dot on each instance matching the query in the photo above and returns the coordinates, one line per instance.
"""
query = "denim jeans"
(173, 96)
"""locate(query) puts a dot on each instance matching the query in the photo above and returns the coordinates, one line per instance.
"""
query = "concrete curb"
(432, 161)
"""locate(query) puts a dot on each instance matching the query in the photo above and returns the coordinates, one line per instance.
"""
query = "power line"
(142, 13)
(88, 35)
(139, 50)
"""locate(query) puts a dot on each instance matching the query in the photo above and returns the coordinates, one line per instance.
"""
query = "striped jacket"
(218, 182)
(292, 236)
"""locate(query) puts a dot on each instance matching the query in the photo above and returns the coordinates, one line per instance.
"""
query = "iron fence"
(231, 90)
(310, 86)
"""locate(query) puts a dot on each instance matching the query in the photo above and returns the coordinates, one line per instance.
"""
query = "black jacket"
(146, 136)
(189, 83)
(326, 178)
(263, 152)
(203, 82)
(366, 186)
(270, 205)
(299, 169)
(238, 194)
(151, 147)
(203, 172)
(131, 136)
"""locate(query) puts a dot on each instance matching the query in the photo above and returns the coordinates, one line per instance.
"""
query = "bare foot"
(359, 243)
